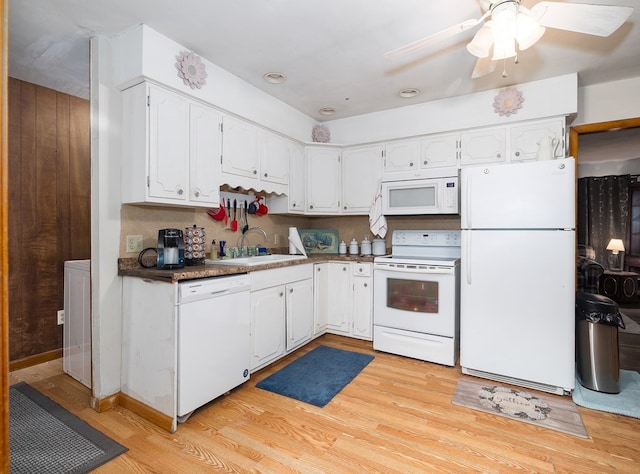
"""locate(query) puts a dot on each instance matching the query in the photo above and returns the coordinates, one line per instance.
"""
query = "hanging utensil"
(228, 214)
(234, 222)
(245, 219)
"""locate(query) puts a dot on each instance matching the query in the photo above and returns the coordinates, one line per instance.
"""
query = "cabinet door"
(206, 147)
(323, 180)
(524, 139)
(240, 148)
(361, 170)
(168, 145)
(267, 325)
(274, 162)
(402, 156)
(362, 303)
(299, 313)
(340, 295)
(483, 146)
(297, 178)
(439, 150)
(320, 297)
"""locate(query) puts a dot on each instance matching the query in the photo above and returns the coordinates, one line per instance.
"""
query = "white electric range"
(416, 310)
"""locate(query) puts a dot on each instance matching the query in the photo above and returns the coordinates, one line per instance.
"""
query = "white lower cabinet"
(343, 299)
(281, 312)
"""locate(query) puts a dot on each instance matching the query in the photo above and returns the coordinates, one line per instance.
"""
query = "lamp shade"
(615, 245)
(480, 45)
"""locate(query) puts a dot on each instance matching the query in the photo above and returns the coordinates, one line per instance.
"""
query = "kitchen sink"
(257, 260)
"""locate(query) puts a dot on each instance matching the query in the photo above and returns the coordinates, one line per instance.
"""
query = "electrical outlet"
(276, 239)
(134, 243)
(60, 316)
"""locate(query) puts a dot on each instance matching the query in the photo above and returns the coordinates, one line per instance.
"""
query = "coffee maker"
(170, 249)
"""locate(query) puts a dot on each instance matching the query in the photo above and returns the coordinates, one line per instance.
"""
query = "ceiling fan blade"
(483, 67)
(599, 20)
(432, 39)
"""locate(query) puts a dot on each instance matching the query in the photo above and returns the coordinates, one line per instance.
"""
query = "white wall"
(106, 288)
(609, 101)
(550, 97)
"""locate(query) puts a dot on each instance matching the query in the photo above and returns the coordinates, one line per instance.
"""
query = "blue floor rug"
(317, 376)
(627, 402)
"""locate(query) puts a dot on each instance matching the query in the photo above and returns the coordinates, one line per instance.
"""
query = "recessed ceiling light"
(408, 93)
(274, 77)
(327, 111)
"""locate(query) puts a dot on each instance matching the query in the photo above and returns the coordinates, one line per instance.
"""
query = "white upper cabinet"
(402, 155)
(361, 170)
(240, 148)
(323, 180)
(439, 150)
(205, 149)
(486, 145)
(170, 149)
(525, 138)
(254, 158)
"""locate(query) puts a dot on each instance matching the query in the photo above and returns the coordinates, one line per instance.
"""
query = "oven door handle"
(422, 270)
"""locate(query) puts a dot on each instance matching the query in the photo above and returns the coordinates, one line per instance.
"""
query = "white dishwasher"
(214, 351)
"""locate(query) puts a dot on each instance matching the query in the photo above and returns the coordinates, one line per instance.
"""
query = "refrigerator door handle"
(467, 215)
(468, 257)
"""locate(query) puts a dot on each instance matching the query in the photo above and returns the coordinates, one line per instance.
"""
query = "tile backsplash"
(147, 220)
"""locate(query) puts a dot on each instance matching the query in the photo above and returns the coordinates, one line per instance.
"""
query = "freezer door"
(517, 305)
(532, 195)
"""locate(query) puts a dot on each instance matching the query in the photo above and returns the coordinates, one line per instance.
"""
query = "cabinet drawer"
(361, 269)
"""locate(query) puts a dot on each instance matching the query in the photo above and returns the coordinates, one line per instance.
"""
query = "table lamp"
(616, 246)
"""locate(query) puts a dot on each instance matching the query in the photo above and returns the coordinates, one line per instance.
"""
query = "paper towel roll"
(295, 244)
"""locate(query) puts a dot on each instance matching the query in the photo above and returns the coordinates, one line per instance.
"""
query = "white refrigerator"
(518, 274)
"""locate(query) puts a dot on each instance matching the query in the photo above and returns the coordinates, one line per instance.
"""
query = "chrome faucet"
(242, 238)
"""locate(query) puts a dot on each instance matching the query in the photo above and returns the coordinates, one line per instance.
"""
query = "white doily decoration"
(320, 134)
(508, 101)
(191, 70)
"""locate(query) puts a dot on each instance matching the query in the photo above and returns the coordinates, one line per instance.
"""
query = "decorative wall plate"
(191, 69)
(508, 101)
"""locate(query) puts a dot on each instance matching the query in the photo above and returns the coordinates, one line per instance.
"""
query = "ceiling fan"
(511, 27)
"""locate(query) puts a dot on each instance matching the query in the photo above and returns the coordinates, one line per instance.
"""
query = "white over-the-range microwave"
(429, 191)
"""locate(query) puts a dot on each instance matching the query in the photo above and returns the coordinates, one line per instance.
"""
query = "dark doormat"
(552, 412)
(317, 376)
(46, 438)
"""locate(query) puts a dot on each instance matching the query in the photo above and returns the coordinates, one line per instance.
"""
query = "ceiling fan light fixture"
(480, 45)
(528, 31)
(504, 32)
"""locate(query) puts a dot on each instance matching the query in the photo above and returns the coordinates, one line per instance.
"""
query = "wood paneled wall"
(49, 210)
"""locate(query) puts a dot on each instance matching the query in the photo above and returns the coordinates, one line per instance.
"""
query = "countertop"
(130, 267)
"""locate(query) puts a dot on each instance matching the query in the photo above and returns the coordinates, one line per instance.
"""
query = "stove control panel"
(426, 238)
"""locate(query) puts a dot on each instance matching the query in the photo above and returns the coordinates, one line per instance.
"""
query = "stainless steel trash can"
(597, 353)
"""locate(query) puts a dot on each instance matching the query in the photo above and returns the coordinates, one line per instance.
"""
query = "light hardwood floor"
(396, 416)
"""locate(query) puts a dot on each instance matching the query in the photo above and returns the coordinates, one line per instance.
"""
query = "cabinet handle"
(310, 206)
(290, 290)
(425, 162)
(318, 269)
(365, 285)
(255, 171)
(344, 269)
(360, 270)
(344, 207)
(180, 192)
(197, 193)
(498, 155)
(517, 153)
(281, 293)
(266, 175)
(411, 163)
(293, 204)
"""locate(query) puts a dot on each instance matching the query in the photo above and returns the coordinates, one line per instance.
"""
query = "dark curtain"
(603, 210)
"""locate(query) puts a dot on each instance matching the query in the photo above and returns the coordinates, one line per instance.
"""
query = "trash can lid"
(593, 302)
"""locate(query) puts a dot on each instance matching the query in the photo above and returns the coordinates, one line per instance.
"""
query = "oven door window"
(412, 295)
